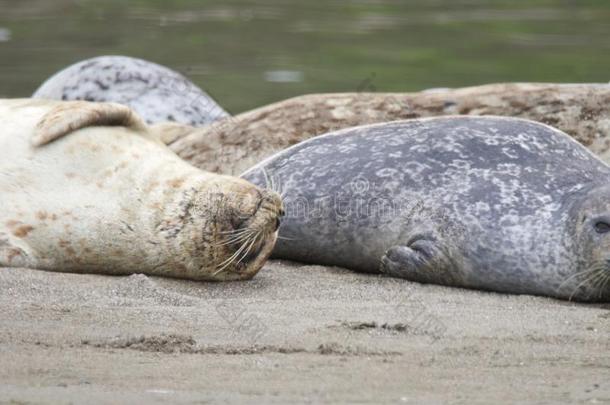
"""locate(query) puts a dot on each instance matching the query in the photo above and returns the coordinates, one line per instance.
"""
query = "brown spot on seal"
(115, 149)
(151, 185)
(176, 183)
(11, 223)
(12, 254)
(22, 231)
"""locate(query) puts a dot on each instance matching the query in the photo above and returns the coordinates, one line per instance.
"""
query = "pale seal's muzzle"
(248, 234)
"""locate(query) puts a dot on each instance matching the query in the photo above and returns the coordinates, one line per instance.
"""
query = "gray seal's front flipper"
(421, 259)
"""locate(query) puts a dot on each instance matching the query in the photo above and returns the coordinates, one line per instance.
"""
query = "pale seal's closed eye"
(493, 203)
(88, 187)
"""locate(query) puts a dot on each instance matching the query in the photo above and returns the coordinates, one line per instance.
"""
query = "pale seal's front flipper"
(70, 116)
(13, 252)
(155, 92)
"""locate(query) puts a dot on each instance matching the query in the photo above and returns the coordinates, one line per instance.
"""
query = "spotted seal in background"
(156, 93)
(492, 203)
(86, 187)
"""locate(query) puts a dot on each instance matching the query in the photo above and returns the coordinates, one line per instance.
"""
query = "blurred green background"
(250, 53)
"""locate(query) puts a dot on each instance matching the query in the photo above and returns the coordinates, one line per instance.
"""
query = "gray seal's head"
(589, 228)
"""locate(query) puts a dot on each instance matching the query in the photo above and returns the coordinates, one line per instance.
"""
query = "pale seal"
(155, 92)
(491, 203)
(87, 187)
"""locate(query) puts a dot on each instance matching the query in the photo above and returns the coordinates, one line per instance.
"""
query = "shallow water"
(250, 53)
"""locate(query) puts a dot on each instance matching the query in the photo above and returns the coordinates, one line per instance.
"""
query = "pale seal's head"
(589, 279)
(223, 230)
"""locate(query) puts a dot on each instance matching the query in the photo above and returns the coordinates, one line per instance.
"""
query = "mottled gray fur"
(492, 203)
(156, 93)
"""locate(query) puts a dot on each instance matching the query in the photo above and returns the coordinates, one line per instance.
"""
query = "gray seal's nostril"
(602, 227)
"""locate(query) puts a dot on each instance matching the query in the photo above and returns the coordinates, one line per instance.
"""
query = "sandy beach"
(249, 79)
(293, 334)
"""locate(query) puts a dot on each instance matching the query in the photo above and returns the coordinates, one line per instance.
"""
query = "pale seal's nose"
(261, 210)
(271, 201)
(278, 219)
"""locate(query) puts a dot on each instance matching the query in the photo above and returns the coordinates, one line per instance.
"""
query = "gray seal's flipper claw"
(421, 260)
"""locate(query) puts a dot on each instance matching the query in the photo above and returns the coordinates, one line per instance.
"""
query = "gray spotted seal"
(500, 204)
(155, 92)
(87, 187)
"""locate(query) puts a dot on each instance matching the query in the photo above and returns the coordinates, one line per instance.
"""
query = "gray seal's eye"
(602, 227)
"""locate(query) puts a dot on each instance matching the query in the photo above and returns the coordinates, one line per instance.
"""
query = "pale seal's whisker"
(271, 184)
(236, 239)
(279, 189)
(224, 264)
(233, 231)
(252, 243)
(231, 260)
(268, 183)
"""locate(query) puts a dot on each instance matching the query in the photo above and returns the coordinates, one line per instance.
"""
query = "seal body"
(85, 187)
(492, 203)
(580, 110)
(156, 93)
